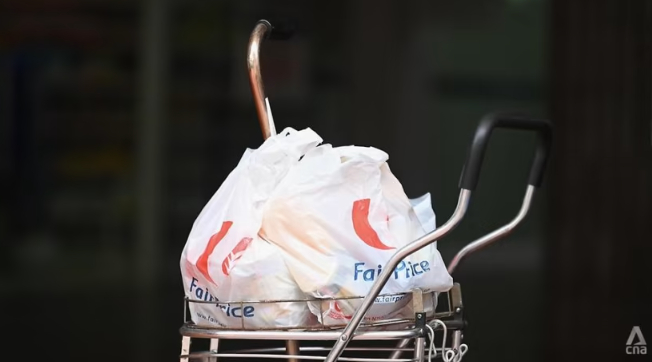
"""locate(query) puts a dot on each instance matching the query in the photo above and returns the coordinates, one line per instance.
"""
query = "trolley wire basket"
(407, 329)
(433, 331)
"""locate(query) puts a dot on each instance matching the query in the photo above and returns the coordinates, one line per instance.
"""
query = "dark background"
(119, 120)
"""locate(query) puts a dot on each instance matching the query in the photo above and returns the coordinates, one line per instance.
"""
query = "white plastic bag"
(339, 215)
(225, 260)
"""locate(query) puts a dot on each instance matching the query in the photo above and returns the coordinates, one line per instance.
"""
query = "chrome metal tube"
(456, 344)
(347, 334)
(419, 349)
(185, 348)
(316, 349)
(202, 332)
(214, 348)
(292, 349)
(256, 357)
(495, 235)
(400, 347)
(260, 32)
(481, 243)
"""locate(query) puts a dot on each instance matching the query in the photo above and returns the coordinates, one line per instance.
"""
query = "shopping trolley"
(414, 336)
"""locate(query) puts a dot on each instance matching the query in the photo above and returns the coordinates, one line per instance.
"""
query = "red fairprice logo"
(229, 262)
(360, 218)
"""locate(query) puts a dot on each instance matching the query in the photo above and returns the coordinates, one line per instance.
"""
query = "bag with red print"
(224, 259)
(339, 215)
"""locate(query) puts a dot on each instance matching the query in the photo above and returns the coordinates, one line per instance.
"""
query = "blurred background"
(120, 119)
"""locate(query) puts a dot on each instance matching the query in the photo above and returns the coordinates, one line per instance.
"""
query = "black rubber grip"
(281, 29)
(473, 165)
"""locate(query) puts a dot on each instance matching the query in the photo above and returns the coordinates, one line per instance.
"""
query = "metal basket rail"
(409, 329)
(316, 324)
(412, 329)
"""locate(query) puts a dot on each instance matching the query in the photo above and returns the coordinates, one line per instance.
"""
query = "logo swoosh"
(339, 311)
(234, 255)
(202, 262)
(365, 232)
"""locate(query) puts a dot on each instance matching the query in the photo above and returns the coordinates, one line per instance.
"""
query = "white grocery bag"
(225, 260)
(339, 215)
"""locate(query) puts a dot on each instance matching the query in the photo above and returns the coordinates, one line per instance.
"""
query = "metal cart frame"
(406, 330)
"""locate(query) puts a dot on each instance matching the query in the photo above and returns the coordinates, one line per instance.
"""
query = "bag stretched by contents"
(339, 215)
(297, 220)
(225, 260)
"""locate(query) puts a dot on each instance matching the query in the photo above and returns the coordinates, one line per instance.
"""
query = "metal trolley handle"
(263, 30)
(544, 130)
(468, 182)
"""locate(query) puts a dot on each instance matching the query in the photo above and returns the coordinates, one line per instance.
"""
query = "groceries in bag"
(296, 220)
(339, 215)
(225, 260)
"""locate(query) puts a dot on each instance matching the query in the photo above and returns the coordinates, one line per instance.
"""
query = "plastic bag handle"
(263, 30)
(473, 164)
